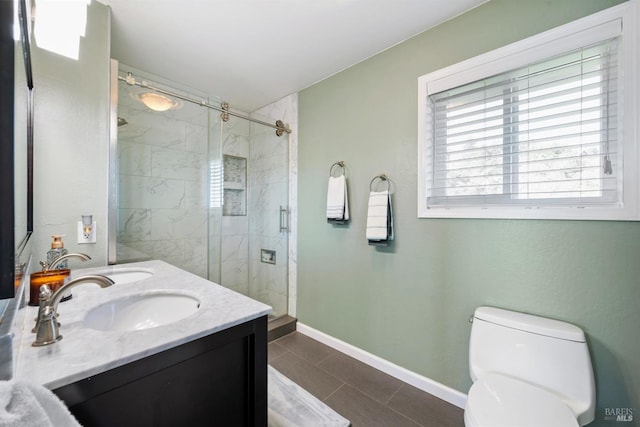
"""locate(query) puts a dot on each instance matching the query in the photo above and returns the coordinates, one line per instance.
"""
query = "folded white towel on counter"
(24, 404)
(379, 218)
(337, 199)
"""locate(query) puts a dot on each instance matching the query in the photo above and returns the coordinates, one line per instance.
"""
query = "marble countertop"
(84, 352)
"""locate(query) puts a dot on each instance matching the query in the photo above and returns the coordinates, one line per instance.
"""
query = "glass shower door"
(253, 235)
(269, 221)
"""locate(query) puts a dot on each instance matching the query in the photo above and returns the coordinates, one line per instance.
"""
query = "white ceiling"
(253, 52)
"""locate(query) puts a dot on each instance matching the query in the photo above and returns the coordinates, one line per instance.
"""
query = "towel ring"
(382, 178)
(339, 164)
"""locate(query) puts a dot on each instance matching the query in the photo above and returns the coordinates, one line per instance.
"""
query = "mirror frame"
(7, 214)
(11, 255)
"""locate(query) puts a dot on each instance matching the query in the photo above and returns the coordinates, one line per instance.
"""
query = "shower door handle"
(284, 219)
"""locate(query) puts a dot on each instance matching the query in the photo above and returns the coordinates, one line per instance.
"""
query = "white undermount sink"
(143, 311)
(127, 276)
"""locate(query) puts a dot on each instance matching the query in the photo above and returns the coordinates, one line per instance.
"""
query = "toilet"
(528, 371)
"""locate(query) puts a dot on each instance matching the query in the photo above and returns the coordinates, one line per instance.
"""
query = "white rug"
(292, 406)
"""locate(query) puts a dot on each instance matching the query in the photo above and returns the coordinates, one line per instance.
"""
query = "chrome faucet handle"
(48, 331)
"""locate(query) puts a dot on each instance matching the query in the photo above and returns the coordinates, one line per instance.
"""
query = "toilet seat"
(496, 400)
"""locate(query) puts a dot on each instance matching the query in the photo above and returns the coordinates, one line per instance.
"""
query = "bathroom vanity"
(206, 365)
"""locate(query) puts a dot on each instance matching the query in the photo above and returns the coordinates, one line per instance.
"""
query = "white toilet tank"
(547, 353)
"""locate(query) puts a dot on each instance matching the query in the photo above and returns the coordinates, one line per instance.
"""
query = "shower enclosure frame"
(280, 128)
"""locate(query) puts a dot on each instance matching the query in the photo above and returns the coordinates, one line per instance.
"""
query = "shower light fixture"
(158, 102)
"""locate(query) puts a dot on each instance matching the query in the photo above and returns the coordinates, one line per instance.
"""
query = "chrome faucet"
(53, 264)
(47, 326)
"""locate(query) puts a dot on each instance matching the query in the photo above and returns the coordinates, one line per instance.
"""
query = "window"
(534, 130)
(60, 25)
(215, 183)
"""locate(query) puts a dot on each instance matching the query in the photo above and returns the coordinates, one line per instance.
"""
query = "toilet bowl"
(500, 401)
(528, 371)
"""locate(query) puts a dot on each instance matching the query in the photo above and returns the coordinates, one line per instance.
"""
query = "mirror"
(16, 146)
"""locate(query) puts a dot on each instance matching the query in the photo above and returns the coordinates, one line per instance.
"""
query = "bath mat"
(292, 406)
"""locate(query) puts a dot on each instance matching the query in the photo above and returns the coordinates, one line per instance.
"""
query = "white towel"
(379, 217)
(337, 199)
(24, 404)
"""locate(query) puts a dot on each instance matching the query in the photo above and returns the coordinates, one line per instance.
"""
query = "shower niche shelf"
(234, 185)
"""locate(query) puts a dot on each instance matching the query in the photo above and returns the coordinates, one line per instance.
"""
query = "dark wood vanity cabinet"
(218, 380)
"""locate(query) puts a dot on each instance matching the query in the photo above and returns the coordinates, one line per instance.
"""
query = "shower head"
(122, 121)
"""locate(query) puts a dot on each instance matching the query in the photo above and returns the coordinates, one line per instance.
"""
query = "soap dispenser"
(54, 278)
(56, 251)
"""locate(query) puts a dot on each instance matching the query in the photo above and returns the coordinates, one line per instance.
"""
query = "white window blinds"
(543, 134)
(215, 183)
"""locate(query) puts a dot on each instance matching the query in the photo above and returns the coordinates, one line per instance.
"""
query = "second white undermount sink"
(143, 311)
(122, 276)
(127, 276)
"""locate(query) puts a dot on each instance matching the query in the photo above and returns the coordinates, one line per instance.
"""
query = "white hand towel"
(379, 221)
(337, 198)
(24, 404)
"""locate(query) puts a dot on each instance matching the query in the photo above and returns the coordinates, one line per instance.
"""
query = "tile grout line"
(404, 415)
(393, 395)
(364, 392)
(355, 387)
(309, 362)
(321, 360)
(332, 393)
(407, 415)
(417, 423)
(289, 349)
(277, 357)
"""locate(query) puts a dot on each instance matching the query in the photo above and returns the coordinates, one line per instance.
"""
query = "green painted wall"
(410, 303)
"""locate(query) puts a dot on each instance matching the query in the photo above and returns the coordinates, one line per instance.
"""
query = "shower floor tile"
(364, 395)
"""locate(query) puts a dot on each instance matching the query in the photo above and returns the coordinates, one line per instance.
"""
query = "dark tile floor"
(365, 396)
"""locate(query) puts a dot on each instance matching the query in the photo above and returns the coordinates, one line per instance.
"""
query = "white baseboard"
(423, 383)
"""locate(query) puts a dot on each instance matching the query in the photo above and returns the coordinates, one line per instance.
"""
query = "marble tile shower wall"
(162, 185)
(283, 279)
